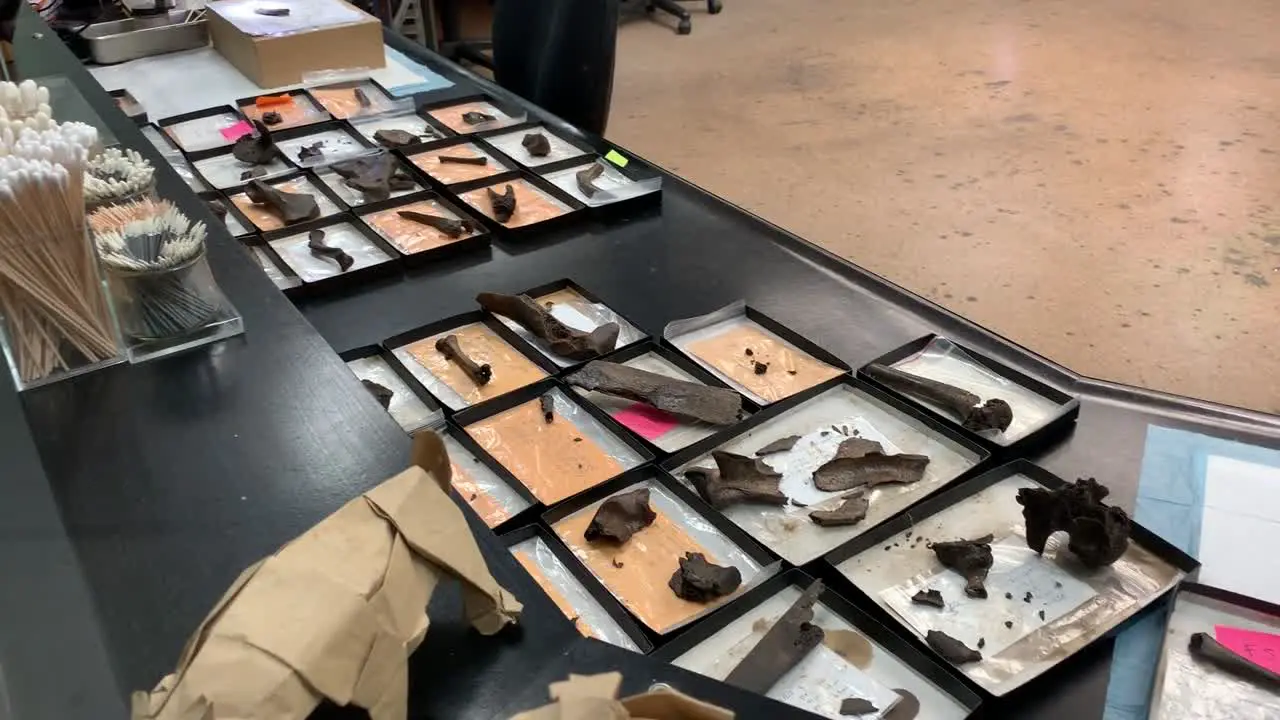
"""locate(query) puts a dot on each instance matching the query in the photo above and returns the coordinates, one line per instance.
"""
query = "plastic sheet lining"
(611, 186)
(848, 664)
(1079, 605)
(512, 145)
(407, 408)
(579, 313)
(569, 595)
(821, 423)
(446, 381)
(488, 495)
(637, 572)
(295, 252)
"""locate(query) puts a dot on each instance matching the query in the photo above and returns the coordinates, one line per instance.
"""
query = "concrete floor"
(1098, 180)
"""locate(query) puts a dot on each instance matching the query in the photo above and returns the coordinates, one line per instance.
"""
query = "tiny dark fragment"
(1026, 598)
(463, 159)
(928, 597)
(951, 649)
(1041, 614)
(761, 368)
(616, 563)
(970, 558)
(272, 11)
(362, 98)
(382, 393)
(779, 445)
(548, 405)
(1008, 623)
(857, 706)
(982, 642)
(791, 372)
(1008, 596)
(536, 144)
(271, 118)
(472, 117)
(313, 151)
(748, 352)
(504, 205)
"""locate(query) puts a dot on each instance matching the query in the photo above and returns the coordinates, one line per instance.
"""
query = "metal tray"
(132, 38)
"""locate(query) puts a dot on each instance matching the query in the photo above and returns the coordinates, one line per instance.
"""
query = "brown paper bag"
(592, 697)
(336, 612)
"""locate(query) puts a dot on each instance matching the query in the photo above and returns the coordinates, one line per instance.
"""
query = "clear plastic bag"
(352, 196)
(451, 173)
(409, 122)
(265, 219)
(848, 664)
(822, 423)
(447, 382)
(225, 171)
(579, 313)
(511, 144)
(733, 348)
(637, 572)
(533, 205)
(451, 117)
(569, 595)
(941, 360)
(297, 255)
(488, 495)
(662, 429)
(204, 133)
(406, 407)
(556, 459)
(282, 281)
(1187, 689)
(611, 185)
(1084, 609)
(333, 145)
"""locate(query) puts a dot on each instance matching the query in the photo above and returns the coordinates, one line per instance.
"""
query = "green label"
(616, 158)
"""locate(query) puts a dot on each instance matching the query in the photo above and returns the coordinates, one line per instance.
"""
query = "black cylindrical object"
(558, 54)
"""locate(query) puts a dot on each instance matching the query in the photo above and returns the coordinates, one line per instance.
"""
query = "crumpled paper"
(593, 697)
(336, 612)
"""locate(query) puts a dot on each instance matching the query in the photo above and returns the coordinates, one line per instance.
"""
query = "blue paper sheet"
(1171, 504)
(430, 79)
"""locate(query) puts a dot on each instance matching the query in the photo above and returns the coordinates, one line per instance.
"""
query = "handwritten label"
(648, 422)
(616, 158)
(237, 131)
(1258, 647)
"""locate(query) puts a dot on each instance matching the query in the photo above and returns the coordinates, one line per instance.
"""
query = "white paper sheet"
(1241, 510)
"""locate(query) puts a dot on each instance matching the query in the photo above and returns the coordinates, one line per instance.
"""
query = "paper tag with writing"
(1258, 647)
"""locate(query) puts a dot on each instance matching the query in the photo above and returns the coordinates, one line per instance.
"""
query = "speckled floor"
(1098, 180)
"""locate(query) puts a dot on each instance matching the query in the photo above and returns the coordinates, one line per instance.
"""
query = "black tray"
(891, 530)
(216, 195)
(525, 516)
(346, 280)
(699, 374)
(801, 343)
(321, 187)
(591, 297)
(502, 403)
(477, 241)
(1030, 444)
(315, 129)
(407, 152)
(635, 169)
(140, 117)
(411, 382)
(297, 95)
(165, 123)
(524, 232)
(467, 318)
(736, 535)
(377, 86)
(362, 203)
(610, 604)
(424, 111)
(578, 143)
(842, 608)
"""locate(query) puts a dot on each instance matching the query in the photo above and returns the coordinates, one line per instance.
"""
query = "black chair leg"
(714, 7)
(685, 26)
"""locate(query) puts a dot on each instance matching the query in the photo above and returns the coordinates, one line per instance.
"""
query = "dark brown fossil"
(1203, 647)
(377, 176)
(217, 208)
(951, 649)
(547, 404)
(272, 11)
(394, 138)
(850, 512)
(782, 647)
(560, 338)
(760, 368)
(362, 97)
(856, 447)
(718, 406)
(737, 479)
(868, 470)
(974, 415)
(620, 517)
(448, 226)
(463, 159)
(536, 144)
(779, 445)
(504, 205)
(586, 178)
(932, 598)
(253, 172)
(700, 581)
(289, 207)
(449, 347)
(256, 148)
(1099, 534)
(271, 118)
(382, 393)
(857, 706)
(321, 249)
(314, 151)
(473, 117)
(970, 558)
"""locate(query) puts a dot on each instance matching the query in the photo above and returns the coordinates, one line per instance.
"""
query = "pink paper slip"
(648, 422)
(1258, 647)
(237, 131)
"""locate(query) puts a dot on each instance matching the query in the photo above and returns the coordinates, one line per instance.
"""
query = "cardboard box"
(275, 50)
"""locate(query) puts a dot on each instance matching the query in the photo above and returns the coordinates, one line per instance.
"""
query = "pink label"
(237, 131)
(648, 422)
(1258, 647)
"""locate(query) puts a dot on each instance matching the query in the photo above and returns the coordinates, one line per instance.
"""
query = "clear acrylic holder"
(24, 315)
(162, 313)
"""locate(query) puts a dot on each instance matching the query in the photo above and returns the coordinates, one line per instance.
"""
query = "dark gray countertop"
(130, 498)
